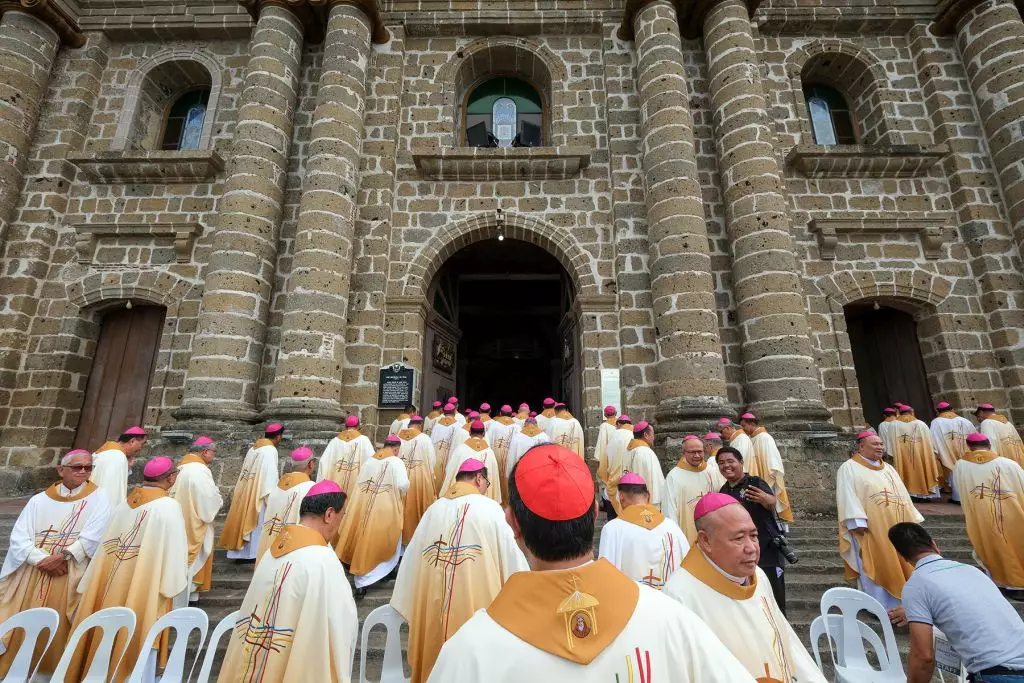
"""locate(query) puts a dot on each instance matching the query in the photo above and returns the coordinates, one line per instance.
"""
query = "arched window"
(504, 112)
(831, 118)
(183, 128)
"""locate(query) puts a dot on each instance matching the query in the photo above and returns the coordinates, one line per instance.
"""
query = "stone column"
(990, 36)
(307, 386)
(223, 373)
(691, 372)
(782, 380)
(28, 47)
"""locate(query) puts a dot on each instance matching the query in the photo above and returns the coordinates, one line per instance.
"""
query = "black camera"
(782, 544)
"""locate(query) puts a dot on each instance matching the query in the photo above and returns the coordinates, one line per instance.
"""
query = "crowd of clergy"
(486, 526)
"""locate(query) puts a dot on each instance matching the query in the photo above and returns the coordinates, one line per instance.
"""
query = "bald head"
(728, 538)
(871, 448)
(693, 451)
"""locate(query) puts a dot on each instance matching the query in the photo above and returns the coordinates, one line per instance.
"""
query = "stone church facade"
(714, 241)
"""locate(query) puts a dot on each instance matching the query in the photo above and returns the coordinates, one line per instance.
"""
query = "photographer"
(756, 496)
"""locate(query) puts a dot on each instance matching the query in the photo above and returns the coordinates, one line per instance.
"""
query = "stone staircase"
(814, 539)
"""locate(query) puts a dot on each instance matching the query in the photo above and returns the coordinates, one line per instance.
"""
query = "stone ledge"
(183, 234)
(509, 163)
(149, 167)
(865, 161)
(927, 224)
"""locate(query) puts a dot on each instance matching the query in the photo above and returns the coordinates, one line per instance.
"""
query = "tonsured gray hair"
(199, 449)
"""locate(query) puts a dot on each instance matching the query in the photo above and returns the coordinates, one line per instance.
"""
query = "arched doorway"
(887, 357)
(501, 328)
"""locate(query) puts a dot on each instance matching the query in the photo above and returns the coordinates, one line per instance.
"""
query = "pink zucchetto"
(609, 411)
(301, 454)
(77, 451)
(624, 419)
(712, 436)
(977, 438)
(524, 406)
(943, 405)
(392, 441)
(549, 403)
(449, 408)
(691, 436)
(273, 427)
(506, 409)
(533, 413)
(322, 487)
(865, 434)
(135, 431)
(723, 421)
(532, 420)
(888, 411)
(157, 467)
(904, 408)
(641, 427)
(748, 416)
(981, 406)
(454, 400)
(203, 441)
(351, 422)
(711, 502)
(632, 478)
(436, 404)
(485, 407)
(416, 419)
(476, 425)
(471, 465)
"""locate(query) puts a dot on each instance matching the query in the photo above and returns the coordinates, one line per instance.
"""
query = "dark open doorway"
(887, 357)
(503, 309)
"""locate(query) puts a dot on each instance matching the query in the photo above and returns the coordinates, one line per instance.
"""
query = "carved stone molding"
(865, 161)
(313, 14)
(509, 163)
(130, 166)
(63, 23)
(406, 304)
(183, 234)
(929, 225)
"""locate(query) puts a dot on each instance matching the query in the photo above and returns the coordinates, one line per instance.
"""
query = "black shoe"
(360, 593)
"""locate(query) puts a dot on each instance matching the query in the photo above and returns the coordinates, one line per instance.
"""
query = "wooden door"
(122, 371)
(887, 358)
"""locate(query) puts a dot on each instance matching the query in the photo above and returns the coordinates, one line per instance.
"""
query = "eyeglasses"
(78, 468)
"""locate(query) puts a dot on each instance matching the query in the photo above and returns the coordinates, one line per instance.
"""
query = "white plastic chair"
(392, 670)
(856, 668)
(184, 621)
(110, 621)
(938, 636)
(33, 622)
(835, 622)
(226, 624)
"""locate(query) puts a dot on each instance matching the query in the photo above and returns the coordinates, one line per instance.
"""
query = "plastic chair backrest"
(835, 625)
(849, 637)
(33, 621)
(226, 624)
(183, 621)
(392, 670)
(109, 621)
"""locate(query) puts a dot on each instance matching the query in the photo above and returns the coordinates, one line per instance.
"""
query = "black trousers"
(778, 584)
(609, 509)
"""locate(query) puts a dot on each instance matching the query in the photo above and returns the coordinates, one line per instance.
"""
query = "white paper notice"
(611, 390)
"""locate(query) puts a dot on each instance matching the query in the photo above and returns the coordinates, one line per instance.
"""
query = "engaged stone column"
(782, 379)
(307, 386)
(28, 47)
(223, 373)
(691, 372)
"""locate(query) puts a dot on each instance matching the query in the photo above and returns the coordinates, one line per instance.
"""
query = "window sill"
(865, 161)
(928, 225)
(183, 236)
(131, 166)
(508, 163)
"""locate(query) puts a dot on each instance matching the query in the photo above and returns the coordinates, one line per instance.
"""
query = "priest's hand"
(54, 565)
(898, 617)
(756, 495)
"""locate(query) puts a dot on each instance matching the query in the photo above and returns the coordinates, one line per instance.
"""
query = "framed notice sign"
(394, 388)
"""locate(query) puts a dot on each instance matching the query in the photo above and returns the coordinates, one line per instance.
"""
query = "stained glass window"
(504, 112)
(831, 119)
(184, 126)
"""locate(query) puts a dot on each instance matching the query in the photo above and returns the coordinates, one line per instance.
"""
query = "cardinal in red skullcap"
(370, 537)
(720, 580)
(571, 618)
(484, 555)
(476, 447)
(299, 599)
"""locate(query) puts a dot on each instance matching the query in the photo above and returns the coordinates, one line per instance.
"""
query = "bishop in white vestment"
(618, 443)
(431, 417)
(142, 564)
(545, 415)
(570, 618)
(736, 437)
(112, 463)
(949, 438)
(417, 452)
(247, 514)
(284, 501)
(690, 480)
(298, 621)
(604, 434)
(640, 458)
(500, 432)
(642, 543)
(53, 540)
(721, 582)
(1001, 434)
(458, 559)
(885, 429)
(200, 500)
(344, 455)
(566, 430)
(402, 421)
(476, 448)
(441, 438)
(914, 454)
(529, 436)
(766, 463)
